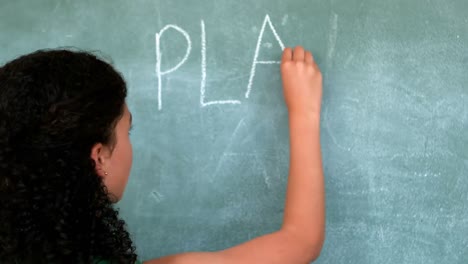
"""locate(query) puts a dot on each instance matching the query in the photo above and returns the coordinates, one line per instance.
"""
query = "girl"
(65, 157)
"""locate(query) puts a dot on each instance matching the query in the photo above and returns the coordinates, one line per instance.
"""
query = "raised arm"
(301, 236)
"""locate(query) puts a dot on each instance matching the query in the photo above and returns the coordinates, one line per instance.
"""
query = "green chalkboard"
(211, 136)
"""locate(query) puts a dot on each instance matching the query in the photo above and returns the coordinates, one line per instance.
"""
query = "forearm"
(305, 198)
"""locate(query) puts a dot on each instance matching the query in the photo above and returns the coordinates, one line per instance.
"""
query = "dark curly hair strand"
(54, 208)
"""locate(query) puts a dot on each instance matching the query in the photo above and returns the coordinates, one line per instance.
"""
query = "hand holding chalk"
(302, 82)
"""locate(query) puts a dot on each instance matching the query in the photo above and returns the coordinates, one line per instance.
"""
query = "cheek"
(125, 164)
(130, 154)
(127, 160)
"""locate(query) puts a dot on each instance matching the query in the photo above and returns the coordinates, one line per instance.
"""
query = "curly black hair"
(54, 208)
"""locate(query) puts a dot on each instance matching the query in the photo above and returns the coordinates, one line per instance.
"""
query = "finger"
(309, 58)
(298, 54)
(287, 55)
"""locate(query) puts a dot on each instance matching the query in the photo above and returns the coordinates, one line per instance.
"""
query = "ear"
(98, 155)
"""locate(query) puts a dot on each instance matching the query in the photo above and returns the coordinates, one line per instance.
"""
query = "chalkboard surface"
(211, 137)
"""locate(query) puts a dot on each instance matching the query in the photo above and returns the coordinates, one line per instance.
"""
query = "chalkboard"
(211, 136)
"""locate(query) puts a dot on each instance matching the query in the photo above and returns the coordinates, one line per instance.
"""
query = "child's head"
(65, 155)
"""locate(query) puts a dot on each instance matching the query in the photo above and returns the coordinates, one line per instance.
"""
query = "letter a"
(257, 50)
